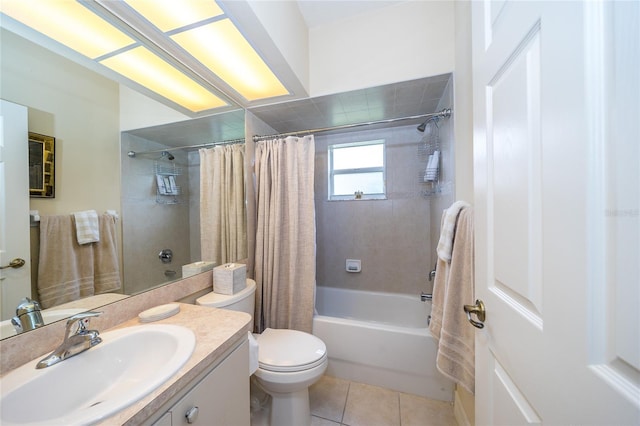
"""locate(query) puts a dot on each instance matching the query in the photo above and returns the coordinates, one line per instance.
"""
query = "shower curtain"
(223, 219)
(285, 255)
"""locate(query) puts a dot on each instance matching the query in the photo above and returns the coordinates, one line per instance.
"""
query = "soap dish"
(159, 312)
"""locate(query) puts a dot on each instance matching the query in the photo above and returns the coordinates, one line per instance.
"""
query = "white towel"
(447, 230)
(87, 228)
(431, 172)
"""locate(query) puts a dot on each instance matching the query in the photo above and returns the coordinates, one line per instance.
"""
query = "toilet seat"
(289, 350)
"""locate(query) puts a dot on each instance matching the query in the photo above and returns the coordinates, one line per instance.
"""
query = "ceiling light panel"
(169, 15)
(221, 47)
(69, 23)
(147, 69)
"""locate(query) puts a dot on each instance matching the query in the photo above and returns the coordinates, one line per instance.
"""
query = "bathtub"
(380, 339)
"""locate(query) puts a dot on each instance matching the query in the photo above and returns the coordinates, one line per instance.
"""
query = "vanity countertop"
(216, 330)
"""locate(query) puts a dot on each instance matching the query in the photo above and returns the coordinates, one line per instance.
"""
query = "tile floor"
(336, 402)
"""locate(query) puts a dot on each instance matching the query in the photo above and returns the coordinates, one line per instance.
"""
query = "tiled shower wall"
(440, 203)
(148, 226)
(394, 238)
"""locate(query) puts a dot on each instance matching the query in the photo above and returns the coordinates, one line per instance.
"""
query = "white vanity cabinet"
(220, 398)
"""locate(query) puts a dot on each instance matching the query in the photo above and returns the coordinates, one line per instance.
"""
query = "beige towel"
(106, 272)
(453, 288)
(87, 226)
(69, 271)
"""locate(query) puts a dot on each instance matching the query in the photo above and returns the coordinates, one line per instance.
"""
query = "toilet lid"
(289, 350)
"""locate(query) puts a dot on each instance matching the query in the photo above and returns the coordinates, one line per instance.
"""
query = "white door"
(557, 188)
(15, 283)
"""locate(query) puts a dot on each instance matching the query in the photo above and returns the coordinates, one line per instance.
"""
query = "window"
(357, 168)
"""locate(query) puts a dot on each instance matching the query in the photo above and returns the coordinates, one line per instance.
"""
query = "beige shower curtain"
(223, 219)
(285, 257)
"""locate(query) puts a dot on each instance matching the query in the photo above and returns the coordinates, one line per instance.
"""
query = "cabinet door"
(222, 397)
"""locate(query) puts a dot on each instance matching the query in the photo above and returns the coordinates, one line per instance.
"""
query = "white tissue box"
(196, 268)
(229, 278)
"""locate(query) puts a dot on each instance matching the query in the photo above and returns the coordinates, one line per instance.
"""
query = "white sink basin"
(48, 316)
(89, 387)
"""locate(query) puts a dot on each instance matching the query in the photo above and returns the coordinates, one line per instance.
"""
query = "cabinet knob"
(192, 415)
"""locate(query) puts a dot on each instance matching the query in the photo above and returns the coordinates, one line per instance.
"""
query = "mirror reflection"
(161, 199)
(85, 112)
(42, 151)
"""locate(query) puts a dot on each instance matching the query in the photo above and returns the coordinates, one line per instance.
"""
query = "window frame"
(355, 171)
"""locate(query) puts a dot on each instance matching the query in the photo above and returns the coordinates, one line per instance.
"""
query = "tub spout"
(426, 296)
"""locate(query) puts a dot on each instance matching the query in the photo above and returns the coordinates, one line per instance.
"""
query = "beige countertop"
(216, 330)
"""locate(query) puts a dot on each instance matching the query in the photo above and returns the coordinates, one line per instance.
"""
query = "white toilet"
(289, 361)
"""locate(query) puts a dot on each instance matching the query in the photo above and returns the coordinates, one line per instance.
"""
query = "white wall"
(401, 42)
(288, 32)
(138, 111)
(463, 95)
(80, 109)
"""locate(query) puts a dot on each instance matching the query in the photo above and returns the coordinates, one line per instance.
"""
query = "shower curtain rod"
(445, 113)
(132, 154)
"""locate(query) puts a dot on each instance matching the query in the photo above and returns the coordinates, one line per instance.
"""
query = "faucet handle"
(82, 319)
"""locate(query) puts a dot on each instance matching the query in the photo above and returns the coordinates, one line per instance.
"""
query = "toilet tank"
(243, 301)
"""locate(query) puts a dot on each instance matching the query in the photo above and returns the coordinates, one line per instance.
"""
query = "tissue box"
(196, 268)
(229, 278)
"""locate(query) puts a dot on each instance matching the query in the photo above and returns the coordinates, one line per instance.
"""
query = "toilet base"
(290, 409)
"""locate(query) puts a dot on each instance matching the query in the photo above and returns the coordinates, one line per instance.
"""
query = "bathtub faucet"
(426, 296)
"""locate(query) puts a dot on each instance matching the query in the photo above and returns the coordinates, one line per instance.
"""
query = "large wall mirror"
(92, 170)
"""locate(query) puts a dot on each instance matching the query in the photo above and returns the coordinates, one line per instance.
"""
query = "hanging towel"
(65, 268)
(106, 273)
(447, 230)
(453, 288)
(68, 271)
(431, 172)
(87, 228)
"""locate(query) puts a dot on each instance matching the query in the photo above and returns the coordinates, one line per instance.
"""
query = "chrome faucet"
(76, 339)
(28, 316)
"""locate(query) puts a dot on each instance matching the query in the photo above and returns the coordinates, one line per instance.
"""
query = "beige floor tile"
(371, 406)
(319, 421)
(419, 411)
(328, 397)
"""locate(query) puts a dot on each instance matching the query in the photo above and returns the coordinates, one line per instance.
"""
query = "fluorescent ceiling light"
(222, 48)
(149, 70)
(69, 23)
(164, 52)
(169, 15)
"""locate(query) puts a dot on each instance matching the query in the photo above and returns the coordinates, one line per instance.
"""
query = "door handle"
(477, 309)
(15, 263)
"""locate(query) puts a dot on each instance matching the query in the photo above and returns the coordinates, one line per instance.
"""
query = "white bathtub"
(380, 339)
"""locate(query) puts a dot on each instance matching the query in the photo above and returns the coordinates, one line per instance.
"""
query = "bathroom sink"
(89, 387)
(48, 316)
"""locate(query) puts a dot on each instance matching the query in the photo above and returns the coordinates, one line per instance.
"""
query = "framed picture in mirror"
(42, 161)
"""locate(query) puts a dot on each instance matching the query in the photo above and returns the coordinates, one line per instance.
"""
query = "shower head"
(168, 155)
(422, 126)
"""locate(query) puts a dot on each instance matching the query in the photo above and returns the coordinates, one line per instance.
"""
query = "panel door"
(556, 194)
(14, 207)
